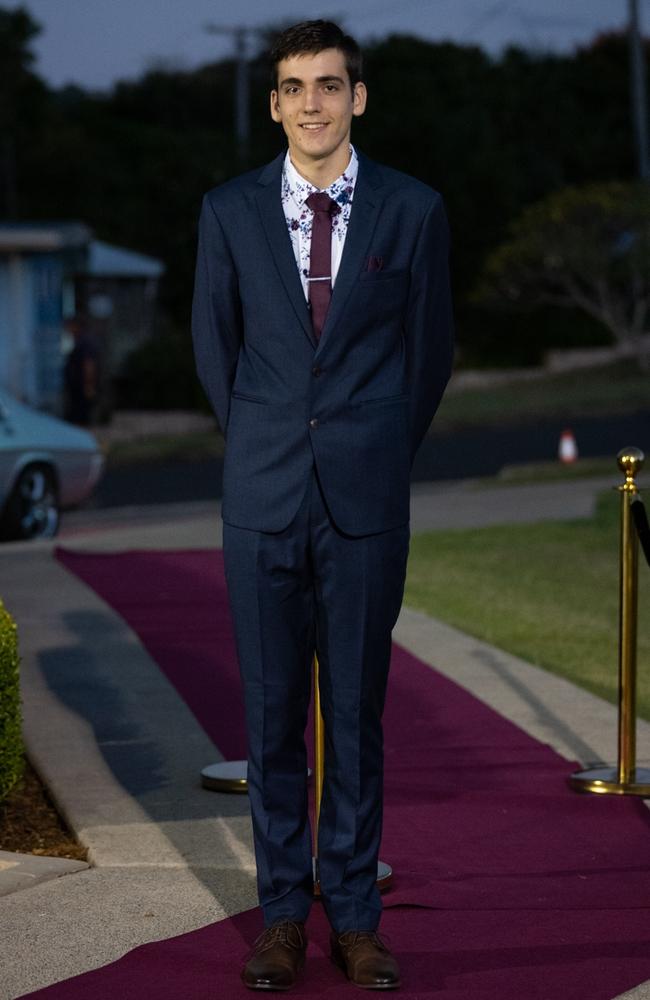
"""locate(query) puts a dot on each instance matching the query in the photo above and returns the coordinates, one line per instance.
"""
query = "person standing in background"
(80, 375)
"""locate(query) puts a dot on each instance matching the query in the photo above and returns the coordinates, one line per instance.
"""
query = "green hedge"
(11, 744)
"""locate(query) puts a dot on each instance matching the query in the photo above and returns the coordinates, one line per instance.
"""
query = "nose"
(312, 99)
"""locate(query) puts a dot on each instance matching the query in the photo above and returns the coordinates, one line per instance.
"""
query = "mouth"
(313, 127)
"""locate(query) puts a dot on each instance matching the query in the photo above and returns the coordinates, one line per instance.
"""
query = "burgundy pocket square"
(375, 263)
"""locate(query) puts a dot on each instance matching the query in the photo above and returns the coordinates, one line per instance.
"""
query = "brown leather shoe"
(278, 956)
(365, 960)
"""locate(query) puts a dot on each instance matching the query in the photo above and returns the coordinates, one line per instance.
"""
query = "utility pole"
(240, 36)
(8, 173)
(638, 86)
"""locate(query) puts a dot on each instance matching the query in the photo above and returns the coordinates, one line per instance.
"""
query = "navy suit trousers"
(311, 588)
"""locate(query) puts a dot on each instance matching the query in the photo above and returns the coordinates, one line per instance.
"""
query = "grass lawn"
(615, 389)
(192, 447)
(545, 592)
(552, 472)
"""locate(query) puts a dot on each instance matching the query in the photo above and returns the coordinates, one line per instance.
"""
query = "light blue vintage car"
(46, 465)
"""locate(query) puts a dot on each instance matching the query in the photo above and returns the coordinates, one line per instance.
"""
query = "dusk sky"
(95, 42)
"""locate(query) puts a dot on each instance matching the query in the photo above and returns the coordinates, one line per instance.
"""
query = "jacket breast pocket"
(390, 274)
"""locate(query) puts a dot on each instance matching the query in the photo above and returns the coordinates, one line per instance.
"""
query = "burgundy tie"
(320, 261)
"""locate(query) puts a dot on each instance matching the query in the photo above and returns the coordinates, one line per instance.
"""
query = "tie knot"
(319, 201)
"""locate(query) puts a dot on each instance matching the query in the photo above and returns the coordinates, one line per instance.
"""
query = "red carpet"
(508, 886)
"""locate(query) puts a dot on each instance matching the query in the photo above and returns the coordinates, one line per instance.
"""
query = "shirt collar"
(340, 190)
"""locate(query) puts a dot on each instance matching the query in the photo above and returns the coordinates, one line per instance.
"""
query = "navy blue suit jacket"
(358, 402)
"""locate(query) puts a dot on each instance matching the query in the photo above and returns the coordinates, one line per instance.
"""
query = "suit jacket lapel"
(364, 215)
(269, 202)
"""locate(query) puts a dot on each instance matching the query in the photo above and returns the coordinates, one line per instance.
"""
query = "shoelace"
(352, 939)
(284, 932)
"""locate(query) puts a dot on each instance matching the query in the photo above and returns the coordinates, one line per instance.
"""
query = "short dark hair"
(310, 37)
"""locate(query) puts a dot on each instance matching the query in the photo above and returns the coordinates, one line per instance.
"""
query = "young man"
(323, 338)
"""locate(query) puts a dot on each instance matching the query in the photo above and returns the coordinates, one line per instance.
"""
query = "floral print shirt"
(299, 217)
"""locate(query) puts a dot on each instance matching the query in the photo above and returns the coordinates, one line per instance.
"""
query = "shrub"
(11, 744)
(160, 375)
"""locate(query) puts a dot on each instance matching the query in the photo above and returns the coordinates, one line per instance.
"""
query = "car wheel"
(32, 510)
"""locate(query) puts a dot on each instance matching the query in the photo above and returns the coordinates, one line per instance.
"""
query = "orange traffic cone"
(567, 451)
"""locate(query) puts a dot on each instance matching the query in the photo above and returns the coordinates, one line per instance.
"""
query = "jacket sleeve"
(429, 328)
(216, 314)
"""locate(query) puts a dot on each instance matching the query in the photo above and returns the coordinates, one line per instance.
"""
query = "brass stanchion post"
(626, 778)
(628, 612)
(319, 769)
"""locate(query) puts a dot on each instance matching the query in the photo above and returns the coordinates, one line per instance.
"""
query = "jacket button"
(313, 423)
(316, 371)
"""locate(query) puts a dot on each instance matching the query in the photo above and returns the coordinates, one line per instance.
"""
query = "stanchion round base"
(227, 776)
(384, 877)
(604, 780)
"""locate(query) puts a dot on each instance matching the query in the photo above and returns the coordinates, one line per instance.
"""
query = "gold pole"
(626, 778)
(628, 587)
(319, 757)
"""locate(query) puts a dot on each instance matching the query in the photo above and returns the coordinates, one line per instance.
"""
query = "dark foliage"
(494, 135)
(11, 741)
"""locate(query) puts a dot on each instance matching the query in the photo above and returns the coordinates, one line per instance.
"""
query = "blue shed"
(50, 271)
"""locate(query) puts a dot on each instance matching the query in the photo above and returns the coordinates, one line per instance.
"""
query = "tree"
(494, 134)
(22, 99)
(17, 30)
(585, 247)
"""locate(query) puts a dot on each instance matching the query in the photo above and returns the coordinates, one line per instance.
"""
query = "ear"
(275, 107)
(359, 99)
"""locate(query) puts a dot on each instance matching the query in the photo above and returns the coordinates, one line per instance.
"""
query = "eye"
(331, 87)
(291, 90)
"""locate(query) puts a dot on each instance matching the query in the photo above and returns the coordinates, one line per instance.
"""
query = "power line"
(240, 35)
(373, 10)
(486, 18)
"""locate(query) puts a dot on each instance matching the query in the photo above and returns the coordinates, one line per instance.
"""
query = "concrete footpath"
(121, 753)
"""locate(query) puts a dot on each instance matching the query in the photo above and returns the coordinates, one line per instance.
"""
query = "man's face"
(315, 104)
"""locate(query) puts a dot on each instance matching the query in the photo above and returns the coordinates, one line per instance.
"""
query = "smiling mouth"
(313, 126)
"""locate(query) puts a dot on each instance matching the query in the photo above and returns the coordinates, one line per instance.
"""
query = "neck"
(321, 173)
